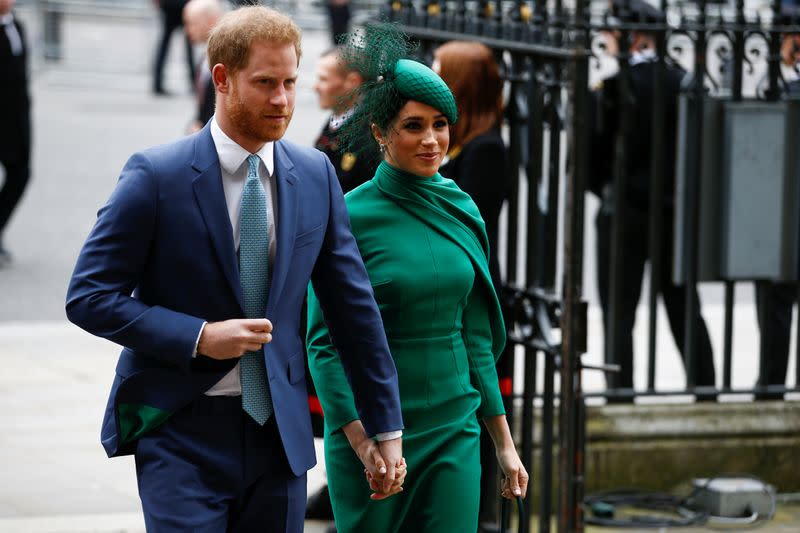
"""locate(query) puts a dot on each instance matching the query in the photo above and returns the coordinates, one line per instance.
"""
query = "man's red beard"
(252, 124)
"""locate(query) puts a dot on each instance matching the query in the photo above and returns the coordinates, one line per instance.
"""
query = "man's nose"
(280, 97)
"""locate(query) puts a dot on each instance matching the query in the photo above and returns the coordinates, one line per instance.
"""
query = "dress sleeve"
(333, 389)
(477, 336)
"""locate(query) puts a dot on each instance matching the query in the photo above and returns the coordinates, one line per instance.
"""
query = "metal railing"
(548, 53)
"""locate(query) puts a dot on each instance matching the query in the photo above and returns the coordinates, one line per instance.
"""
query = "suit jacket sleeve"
(342, 287)
(100, 296)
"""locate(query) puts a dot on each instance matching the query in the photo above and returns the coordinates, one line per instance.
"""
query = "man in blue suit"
(197, 266)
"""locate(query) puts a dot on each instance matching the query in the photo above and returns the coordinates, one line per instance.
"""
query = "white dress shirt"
(233, 167)
(645, 55)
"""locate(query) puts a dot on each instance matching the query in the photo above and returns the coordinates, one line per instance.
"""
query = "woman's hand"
(377, 485)
(369, 454)
(515, 477)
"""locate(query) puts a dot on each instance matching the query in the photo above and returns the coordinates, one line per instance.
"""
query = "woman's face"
(417, 140)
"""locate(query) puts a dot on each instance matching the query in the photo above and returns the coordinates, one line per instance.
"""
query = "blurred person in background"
(477, 162)
(199, 18)
(339, 18)
(171, 20)
(477, 158)
(774, 299)
(605, 127)
(788, 19)
(15, 121)
(336, 82)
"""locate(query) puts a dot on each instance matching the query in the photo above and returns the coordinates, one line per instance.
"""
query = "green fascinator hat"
(380, 52)
(416, 81)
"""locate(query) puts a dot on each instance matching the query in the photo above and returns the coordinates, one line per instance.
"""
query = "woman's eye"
(440, 124)
(412, 126)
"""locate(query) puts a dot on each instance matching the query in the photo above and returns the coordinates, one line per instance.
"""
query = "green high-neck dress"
(424, 247)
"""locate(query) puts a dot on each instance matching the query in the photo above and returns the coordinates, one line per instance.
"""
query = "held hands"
(515, 477)
(377, 485)
(392, 482)
(384, 466)
(234, 338)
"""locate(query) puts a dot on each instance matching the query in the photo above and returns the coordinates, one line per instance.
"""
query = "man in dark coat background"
(199, 18)
(776, 299)
(172, 19)
(632, 89)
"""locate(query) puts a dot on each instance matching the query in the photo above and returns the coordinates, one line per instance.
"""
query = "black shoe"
(318, 506)
(160, 91)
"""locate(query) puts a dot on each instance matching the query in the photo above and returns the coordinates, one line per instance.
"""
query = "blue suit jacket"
(160, 261)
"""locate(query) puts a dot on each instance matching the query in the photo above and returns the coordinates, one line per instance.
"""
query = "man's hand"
(383, 463)
(392, 453)
(234, 338)
(377, 485)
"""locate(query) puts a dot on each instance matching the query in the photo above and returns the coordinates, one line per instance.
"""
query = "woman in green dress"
(425, 248)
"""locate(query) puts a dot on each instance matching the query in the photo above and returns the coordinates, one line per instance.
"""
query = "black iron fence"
(707, 188)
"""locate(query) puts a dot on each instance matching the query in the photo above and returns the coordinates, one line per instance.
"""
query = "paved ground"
(91, 111)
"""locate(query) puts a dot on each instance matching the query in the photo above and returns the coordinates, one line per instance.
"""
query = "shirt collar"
(6, 19)
(336, 121)
(790, 73)
(647, 55)
(232, 156)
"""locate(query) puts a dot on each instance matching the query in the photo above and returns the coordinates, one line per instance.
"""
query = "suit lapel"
(210, 197)
(286, 182)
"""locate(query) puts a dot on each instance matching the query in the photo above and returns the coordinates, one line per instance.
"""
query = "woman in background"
(478, 164)
(477, 155)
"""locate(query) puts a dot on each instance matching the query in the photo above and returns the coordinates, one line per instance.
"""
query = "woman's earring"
(382, 147)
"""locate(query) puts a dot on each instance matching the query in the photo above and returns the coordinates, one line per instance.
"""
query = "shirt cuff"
(197, 342)
(390, 435)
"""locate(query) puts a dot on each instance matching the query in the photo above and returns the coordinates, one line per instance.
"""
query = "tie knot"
(252, 166)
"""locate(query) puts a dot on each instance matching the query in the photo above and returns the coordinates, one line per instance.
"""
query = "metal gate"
(551, 53)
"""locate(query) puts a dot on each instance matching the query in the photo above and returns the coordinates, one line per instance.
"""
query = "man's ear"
(352, 80)
(222, 81)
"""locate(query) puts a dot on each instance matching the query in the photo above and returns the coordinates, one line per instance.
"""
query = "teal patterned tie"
(254, 276)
